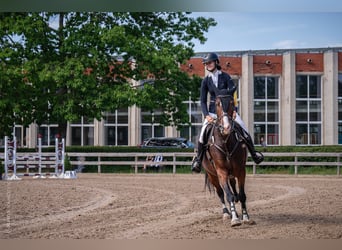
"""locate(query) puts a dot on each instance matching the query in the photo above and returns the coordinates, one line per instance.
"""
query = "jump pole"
(59, 154)
(10, 158)
(40, 160)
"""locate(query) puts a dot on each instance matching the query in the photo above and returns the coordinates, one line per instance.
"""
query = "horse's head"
(224, 111)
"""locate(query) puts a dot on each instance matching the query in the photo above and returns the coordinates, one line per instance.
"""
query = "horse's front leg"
(232, 182)
(235, 221)
(225, 211)
(242, 198)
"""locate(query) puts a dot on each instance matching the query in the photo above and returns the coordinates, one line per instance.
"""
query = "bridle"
(226, 104)
(224, 116)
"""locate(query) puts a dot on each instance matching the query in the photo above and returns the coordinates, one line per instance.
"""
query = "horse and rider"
(215, 81)
(222, 142)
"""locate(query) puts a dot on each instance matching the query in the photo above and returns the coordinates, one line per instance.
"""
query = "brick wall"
(339, 61)
(194, 66)
(267, 64)
(303, 63)
(231, 65)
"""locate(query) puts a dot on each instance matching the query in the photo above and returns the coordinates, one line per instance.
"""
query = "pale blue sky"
(272, 30)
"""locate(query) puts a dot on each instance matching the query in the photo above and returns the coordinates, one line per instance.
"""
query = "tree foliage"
(58, 67)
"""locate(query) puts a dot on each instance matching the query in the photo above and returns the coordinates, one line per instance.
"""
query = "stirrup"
(196, 166)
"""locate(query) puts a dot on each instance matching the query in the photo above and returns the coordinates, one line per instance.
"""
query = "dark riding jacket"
(208, 86)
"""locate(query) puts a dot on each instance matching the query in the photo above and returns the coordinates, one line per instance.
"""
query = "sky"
(237, 31)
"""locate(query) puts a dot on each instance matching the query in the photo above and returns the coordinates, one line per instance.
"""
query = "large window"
(116, 127)
(48, 134)
(339, 109)
(308, 110)
(266, 110)
(150, 125)
(195, 117)
(82, 132)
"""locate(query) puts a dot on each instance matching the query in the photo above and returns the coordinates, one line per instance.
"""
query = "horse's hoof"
(235, 223)
(225, 216)
(249, 222)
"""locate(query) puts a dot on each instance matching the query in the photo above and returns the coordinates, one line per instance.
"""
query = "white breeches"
(205, 123)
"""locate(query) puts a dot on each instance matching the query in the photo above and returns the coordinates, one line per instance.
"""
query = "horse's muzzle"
(226, 125)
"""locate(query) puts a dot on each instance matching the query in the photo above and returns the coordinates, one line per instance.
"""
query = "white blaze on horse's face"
(222, 113)
(226, 125)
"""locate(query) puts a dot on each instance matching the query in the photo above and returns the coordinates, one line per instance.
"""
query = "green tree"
(61, 66)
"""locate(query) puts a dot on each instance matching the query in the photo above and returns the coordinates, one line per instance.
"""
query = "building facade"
(286, 97)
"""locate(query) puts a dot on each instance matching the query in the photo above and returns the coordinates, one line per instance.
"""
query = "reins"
(224, 150)
(223, 146)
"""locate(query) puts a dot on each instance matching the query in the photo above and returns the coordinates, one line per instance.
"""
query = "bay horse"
(225, 159)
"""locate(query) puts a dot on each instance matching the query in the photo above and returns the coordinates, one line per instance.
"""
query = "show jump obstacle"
(13, 162)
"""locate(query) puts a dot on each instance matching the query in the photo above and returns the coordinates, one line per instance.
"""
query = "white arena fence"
(36, 164)
(138, 160)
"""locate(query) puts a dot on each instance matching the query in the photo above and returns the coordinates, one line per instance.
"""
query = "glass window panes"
(259, 87)
(272, 111)
(259, 132)
(315, 110)
(123, 116)
(266, 110)
(315, 87)
(301, 110)
(308, 110)
(272, 88)
(340, 109)
(301, 86)
(83, 133)
(195, 113)
(122, 135)
(115, 134)
(109, 135)
(340, 133)
(110, 118)
(259, 111)
(76, 133)
(150, 126)
(48, 134)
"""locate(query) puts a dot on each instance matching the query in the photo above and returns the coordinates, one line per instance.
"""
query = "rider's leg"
(196, 163)
(256, 155)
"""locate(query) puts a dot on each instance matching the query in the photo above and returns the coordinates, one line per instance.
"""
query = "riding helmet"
(211, 57)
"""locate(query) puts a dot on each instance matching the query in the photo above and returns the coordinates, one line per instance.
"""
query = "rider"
(212, 83)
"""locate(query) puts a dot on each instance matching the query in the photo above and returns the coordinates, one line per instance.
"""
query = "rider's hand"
(234, 115)
(209, 118)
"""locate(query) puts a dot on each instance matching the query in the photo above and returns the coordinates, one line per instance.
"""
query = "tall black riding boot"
(196, 164)
(256, 155)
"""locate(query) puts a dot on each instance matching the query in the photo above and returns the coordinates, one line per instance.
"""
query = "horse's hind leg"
(242, 198)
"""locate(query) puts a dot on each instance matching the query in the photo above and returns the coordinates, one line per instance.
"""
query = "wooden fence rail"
(138, 160)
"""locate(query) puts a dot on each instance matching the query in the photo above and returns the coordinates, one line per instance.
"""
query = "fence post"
(136, 165)
(296, 167)
(254, 169)
(338, 165)
(174, 164)
(98, 165)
